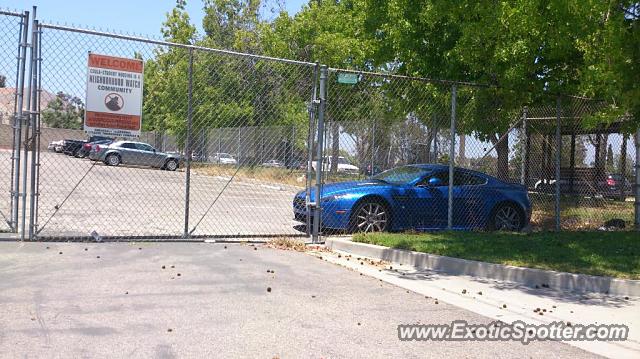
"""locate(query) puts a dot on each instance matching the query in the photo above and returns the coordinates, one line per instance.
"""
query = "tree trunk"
(502, 148)
(335, 146)
(462, 150)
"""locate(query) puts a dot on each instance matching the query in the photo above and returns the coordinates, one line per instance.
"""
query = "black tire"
(370, 215)
(112, 159)
(506, 217)
(171, 165)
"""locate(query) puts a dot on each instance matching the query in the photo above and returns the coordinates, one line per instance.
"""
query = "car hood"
(331, 189)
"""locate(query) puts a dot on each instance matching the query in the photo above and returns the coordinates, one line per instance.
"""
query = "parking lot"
(136, 201)
(213, 300)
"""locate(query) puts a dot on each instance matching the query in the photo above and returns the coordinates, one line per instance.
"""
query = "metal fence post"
(188, 146)
(452, 153)
(35, 137)
(558, 159)
(319, 147)
(30, 100)
(18, 122)
(637, 191)
(310, 147)
(523, 144)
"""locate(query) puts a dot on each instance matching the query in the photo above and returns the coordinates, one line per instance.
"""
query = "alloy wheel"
(372, 217)
(507, 218)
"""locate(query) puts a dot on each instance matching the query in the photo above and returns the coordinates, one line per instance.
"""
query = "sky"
(141, 17)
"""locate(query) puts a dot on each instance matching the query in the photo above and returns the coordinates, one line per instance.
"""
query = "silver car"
(224, 159)
(135, 153)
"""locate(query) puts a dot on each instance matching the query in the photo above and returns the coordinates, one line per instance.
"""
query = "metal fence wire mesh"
(240, 145)
(11, 28)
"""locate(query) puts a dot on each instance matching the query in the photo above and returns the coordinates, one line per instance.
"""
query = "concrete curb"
(456, 266)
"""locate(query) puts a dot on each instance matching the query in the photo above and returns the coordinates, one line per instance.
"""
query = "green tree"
(64, 111)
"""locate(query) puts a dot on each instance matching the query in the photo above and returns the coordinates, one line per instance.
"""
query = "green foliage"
(526, 50)
(64, 111)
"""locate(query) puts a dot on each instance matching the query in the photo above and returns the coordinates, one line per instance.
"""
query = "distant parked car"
(415, 197)
(224, 159)
(56, 146)
(343, 165)
(135, 153)
(73, 147)
(199, 157)
(616, 186)
(274, 164)
(86, 148)
(371, 171)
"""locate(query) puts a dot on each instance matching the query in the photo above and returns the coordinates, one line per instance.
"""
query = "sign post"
(114, 96)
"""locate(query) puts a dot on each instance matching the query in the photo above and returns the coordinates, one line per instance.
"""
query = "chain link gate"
(13, 114)
(240, 123)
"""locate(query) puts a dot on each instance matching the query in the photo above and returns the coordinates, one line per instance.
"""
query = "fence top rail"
(10, 13)
(170, 44)
(414, 78)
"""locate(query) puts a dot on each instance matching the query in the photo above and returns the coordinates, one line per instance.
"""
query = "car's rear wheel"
(370, 216)
(171, 165)
(112, 160)
(506, 217)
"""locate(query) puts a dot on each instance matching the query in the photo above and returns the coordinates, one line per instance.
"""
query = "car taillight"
(611, 182)
(87, 146)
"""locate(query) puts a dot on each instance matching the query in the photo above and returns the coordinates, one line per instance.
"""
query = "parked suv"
(135, 153)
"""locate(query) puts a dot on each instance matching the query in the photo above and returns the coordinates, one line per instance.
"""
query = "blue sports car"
(416, 197)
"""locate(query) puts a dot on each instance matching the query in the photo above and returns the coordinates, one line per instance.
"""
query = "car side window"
(466, 179)
(128, 145)
(144, 147)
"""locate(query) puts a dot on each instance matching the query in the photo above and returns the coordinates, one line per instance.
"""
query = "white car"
(343, 165)
(224, 159)
(56, 146)
(273, 163)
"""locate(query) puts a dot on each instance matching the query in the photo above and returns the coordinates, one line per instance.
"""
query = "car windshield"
(401, 175)
(343, 161)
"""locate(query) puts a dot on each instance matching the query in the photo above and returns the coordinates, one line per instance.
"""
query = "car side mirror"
(435, 182)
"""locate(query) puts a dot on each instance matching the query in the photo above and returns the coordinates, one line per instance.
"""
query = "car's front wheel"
(171, 165)
(370, 216)
(112, 160)
(506, 217)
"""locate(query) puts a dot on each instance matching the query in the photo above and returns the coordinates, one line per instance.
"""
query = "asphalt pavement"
(186, 300)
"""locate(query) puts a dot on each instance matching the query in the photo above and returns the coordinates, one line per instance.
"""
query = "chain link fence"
(12, 31)
(240, 145)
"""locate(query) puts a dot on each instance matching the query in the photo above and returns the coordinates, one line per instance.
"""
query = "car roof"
(440, 167)
(125, 141)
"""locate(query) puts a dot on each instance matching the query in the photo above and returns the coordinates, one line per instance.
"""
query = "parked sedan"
(224, 159)
(273, 164)
(86, 148)
(56, 146)
(416, 197)
(135, 153)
